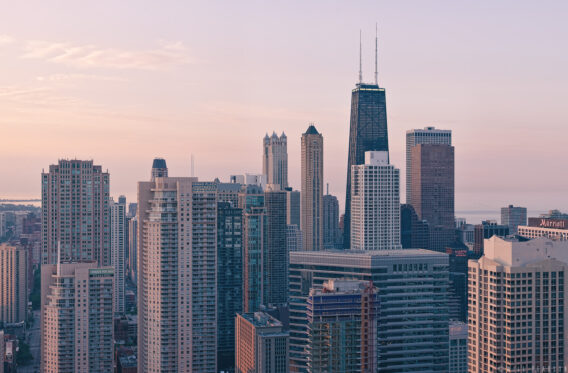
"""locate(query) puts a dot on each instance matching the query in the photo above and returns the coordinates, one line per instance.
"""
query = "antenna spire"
(360, 60)
(376, 53)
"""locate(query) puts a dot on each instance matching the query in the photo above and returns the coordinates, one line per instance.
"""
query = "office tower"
(249, 179)
(312, 189)
(294, 238)
(375, 204)
(229, 280)
(513, 216)
(275, 159)
(413, 231)
(466, 234)
(177, 270)
(331, 222)
(77, 318)
(133, 249)
(428, 135)
(13, 284)
(229, 192)
(2, 351)
(553, 228)
(159, 168)
(458, 347)
(132, 208)
(75, 212)
(262, 344)
(342, 327)
(517, 319)
(275, 256)
(293, 203)
(457, 293)
(118, 251)
(432, 191)
(413, 323)
(485, 230)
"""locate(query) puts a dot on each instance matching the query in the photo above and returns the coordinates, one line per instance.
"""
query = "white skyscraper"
(177, 283)
(275, 159)
(516, 294)
(375, 204)
(118, 252)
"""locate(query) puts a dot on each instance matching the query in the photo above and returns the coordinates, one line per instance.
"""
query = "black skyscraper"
(368, 132)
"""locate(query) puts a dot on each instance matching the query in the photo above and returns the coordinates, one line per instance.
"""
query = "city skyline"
(106, 93)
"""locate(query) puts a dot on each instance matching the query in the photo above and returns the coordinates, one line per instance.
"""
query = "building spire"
(360, 60)
(376, 53)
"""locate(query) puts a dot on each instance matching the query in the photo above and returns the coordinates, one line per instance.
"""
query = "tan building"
(76, 318)
(516, 293)
(13, 284)
(311, 207)
(261, 344)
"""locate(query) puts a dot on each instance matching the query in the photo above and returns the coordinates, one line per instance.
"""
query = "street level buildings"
(13, 284)
(312, 189)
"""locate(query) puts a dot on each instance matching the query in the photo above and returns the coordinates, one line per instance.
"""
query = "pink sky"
(122, 83)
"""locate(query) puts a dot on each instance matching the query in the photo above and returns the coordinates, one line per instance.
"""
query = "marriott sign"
(548, 223)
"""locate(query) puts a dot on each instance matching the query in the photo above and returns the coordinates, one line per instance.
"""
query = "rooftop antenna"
(327, 190)
(192, 166)
(376, 53)
(58, 258)
(360, 60)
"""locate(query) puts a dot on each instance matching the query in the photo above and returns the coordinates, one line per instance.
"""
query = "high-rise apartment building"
(275, 159)
(2, 351)
(342, 327)
(177, 273)
(275, 257)
(458, 347)
(428, 135)
(513, 216)
(75, 212)
(432, 191)
(312, 189)
(293, 203)
(133, 249)
(517, 319)
(331, 222)
(118, 234)
(261, 344)
(229, 280)
(13, 284)
(375, 204)
(2, 224)
(413, 323)
(76, 318)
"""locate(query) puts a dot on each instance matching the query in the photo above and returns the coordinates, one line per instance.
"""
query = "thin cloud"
(74, 77)
(37, 96)
(6, 39)
(166, 55)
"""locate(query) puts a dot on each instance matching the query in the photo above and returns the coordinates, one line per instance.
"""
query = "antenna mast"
(376, 53)
(360, 60)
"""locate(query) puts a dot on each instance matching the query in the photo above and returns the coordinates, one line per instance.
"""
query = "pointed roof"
(274, 135)
(311, 130)
(266, 136)
(283, 135)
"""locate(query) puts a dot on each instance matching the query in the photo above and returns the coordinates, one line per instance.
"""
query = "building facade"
(375, 204)
(13, 284)
(76, 318)
(275, 159)
(513, 216)
(485, 230)
(458, 347)
(133, 249)
(75, 212)
(293, 202)
(553, 228)
(118, 244)
(331, 222)
(312, 189)
(261, 344)
(275, 256)
(294, 238)
(414, 232)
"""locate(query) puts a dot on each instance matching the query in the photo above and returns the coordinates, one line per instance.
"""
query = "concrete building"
(75, 205)
(458, 347)
(432, 191)
(275, 159)
(553, 228)
(2, 224)
(118, 242)
(13, 284)
(342, 327)
(375, 204)
(485, 230)
(312, 189)
(249, 179)
(76, 318)
(261, 344)
(428, 135)
(229, 280)
(331, 222)
(229, 192)
(413, 324)
(513, 216)
(177, 275)
(293, 202)
(517, 320)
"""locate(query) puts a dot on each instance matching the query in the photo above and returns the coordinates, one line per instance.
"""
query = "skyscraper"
(75, 212)
(293, 203)
(13, 284)
(375, 204)
(133, 249)
(312, 189)
(177, 272)
(331, 222)
(276, 252)
(428, 135)
(458, 347)
(118, 252)
(159, 168)
(229, 280)
(432, 191)
(513, 216)
(275, 159)
(76, 318)
(413, 231)
(517, 317)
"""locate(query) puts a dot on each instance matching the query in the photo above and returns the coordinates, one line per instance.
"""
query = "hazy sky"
(124, 82)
